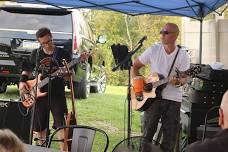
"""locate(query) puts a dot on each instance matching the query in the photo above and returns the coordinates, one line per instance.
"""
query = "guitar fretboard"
(160, 82)
(189, 72)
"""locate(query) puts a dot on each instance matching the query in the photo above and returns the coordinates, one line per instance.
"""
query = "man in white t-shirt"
(167, 108)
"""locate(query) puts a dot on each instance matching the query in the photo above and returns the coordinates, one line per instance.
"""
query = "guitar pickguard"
(28, 98)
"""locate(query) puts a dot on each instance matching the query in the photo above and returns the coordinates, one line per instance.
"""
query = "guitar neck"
(44, 82)
(189, 72)
(57, 73)
(73, 62)
(160, 82)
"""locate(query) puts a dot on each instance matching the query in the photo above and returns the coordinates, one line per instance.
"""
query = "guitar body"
(148, 96)
(153, 87)
(145, 103)
(28, 98)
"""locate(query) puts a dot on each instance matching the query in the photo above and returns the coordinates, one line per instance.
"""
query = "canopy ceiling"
(196, 9)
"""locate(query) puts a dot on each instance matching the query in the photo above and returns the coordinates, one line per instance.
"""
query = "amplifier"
(16, 118)
(209, 86)
(201, 97)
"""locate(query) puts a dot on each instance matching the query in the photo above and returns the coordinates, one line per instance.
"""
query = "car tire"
(100, 86)
(3, 86)
(82, 89)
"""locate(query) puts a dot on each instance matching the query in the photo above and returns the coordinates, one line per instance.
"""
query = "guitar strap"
(170, 70)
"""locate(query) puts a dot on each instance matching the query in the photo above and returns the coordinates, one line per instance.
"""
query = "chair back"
(84, 139)
(212, 113)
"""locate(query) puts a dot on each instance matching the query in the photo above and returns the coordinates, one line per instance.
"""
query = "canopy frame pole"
(201, 34)
(201, 41)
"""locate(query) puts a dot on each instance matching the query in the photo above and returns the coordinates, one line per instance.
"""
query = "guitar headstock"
(61, 72)
(193, 71)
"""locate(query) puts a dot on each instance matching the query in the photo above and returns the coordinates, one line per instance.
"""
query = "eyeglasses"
(163, 32)
(46, 43)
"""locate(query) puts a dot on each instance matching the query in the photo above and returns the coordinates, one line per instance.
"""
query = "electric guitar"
(28, 96)
(154, 82)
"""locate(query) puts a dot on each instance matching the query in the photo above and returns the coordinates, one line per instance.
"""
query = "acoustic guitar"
(71, 116)
(153, 87)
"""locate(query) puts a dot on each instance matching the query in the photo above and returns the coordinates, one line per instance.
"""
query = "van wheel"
(100, 87)
(82, 89)
(3, 86)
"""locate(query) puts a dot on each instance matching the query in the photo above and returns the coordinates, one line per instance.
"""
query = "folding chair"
(211, 120)
(84, 139)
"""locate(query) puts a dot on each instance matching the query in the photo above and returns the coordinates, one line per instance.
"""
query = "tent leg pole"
(201, 41)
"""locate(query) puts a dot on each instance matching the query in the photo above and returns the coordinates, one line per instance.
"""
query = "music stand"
(123, 61)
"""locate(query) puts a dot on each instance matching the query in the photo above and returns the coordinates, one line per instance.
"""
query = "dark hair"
(42, 32)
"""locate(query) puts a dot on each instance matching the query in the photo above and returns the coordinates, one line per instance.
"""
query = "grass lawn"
(105, 111)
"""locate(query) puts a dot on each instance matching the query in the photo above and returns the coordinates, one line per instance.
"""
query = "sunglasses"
(163, 32)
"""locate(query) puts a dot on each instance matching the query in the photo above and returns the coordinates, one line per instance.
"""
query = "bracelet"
(23, 78)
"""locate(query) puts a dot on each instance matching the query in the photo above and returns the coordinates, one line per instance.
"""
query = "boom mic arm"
(142, 39)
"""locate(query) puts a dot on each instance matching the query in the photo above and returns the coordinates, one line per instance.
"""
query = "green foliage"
(128, 30)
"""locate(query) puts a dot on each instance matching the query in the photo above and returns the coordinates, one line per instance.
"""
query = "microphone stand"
(127, 59)
(33, 107)
(48, 109)
(50, 78)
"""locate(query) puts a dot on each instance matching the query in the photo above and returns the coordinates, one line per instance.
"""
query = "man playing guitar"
(160, 58)
(47, 59)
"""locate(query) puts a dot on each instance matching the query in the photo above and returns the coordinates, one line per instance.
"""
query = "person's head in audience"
(9, 142)
(223, 112)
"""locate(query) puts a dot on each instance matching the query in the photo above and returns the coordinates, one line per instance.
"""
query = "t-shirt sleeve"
(144, 58)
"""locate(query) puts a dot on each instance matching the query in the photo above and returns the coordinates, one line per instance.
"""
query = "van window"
(61, 23)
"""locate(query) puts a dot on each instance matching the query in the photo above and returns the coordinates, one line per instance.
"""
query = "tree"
(127, 30)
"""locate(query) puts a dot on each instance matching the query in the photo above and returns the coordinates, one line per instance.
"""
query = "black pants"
(169, 113)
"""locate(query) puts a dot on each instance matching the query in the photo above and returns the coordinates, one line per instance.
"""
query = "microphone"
(142, 39)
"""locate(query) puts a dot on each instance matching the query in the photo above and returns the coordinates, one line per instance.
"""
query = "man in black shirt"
(219, 143)
(47, 59)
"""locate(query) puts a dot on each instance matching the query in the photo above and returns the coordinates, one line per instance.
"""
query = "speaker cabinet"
(16, 118)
